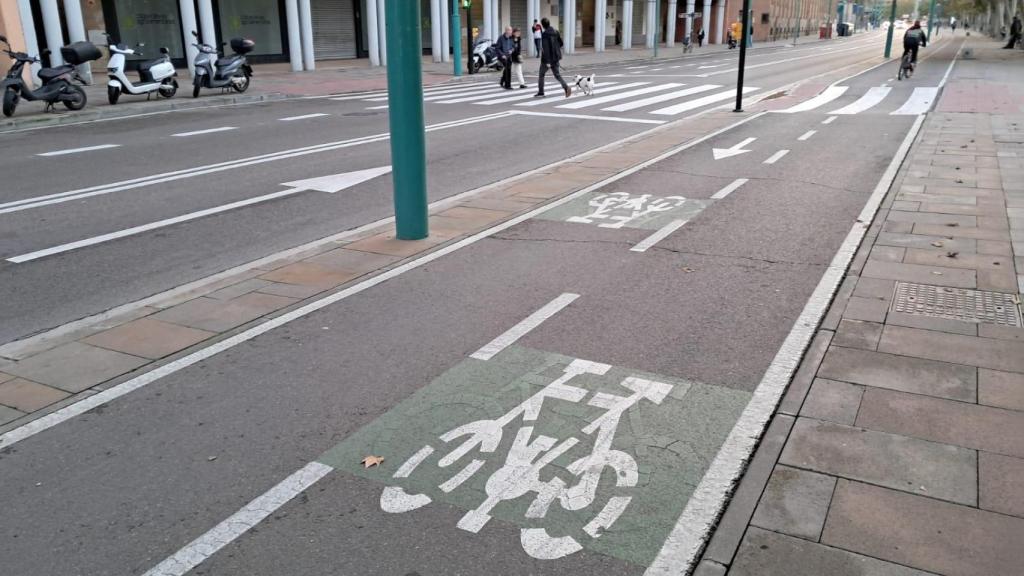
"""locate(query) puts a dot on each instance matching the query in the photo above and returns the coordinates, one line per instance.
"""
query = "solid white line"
(77, 150)
(586, 117)
(516, 332)
(60, 197)
(658, 236)
(829, 120)
(597, 101)
(807, 135)
(147, 227)
(686, 106)
(303, 117)
(830, 94)
(734, 186)
(679, 553)
(82, 406)
(627, 106)
(920, 101)
(560, 95)
(240, 522)
(208, 131)
(870, 98)
(776, 157)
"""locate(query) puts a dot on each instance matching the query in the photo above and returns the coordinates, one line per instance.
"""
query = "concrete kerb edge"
(685, 545)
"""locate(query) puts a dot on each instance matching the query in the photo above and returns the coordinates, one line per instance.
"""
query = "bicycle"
(906, 66)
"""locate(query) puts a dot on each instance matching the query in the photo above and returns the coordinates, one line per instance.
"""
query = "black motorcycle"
(58, 83)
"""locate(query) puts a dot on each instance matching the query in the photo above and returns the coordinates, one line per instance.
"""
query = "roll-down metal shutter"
(334, 29)
(518, 14)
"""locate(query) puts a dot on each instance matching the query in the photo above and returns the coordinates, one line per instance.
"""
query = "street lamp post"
(892, 26)
(456, 44)
(743, 55)
(931, 18)
(405, 110)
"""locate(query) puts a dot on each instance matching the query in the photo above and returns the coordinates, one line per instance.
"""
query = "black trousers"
(913, 51)
(1013, 41)
(536, 42)
(506, 73)
(554, 72)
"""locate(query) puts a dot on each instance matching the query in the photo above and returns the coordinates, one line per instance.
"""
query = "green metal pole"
(456, 39)
(657, 25)
(931, 18)
(828, 20)
(892, 28)
(405, 108)
(796, 34)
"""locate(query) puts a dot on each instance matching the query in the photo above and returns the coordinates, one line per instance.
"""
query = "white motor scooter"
(157, 75)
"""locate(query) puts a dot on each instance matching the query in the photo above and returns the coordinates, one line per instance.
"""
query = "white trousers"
(517, 69)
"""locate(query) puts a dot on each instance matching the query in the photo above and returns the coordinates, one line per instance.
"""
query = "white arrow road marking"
(734, 150)
(77, 150)
(329, 184)
(208, 131)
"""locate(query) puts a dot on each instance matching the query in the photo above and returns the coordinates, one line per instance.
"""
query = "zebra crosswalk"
(639, 97)
(844, 101)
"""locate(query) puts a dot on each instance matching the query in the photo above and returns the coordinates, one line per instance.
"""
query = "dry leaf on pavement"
(371, 461)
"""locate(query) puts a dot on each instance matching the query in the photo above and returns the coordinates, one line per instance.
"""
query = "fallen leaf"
(952, 254)
(937, 244)
(371, 461)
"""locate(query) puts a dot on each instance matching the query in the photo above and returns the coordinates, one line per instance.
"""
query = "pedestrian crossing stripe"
(693, 104)
(597, 101)
(603, 86)
(676, 94)
(920, 101)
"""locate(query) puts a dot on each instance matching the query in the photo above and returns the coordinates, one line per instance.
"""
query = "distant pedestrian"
(551, 55)
(1002, 31)
(952, 26)
(505, 46)
(1015, 30)
(538, 32)
(517, 57)
(700, 38)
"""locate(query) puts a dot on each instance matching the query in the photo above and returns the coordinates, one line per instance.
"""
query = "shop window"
(259, 20)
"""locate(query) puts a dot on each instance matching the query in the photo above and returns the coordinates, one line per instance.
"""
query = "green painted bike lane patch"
(577, 454)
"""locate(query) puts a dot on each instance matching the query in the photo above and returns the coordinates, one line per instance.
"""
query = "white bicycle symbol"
(528, 455)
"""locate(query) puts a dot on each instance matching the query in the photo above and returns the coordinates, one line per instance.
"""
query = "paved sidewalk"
(277, 82)
(899, 448)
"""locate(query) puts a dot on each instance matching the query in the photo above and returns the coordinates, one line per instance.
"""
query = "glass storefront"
(152, 22)
(259, 20)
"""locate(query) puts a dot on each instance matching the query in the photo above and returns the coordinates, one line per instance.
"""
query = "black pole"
(469, 38)
(743, 55)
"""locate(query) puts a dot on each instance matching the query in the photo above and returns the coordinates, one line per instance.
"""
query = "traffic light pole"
(469, 39)
(405, 109)
(892, 27)
(743, 55)
(456, 45)
(931, 19)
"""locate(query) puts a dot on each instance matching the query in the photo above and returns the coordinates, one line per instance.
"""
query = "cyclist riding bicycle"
(914, 39)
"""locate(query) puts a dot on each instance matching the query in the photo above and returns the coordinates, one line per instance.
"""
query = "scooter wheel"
(76, 100)
(243, 85)
(169, 89)
(195, 91)
(113, 93)
(10, 102)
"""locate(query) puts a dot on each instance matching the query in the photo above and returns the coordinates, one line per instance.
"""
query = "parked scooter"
(214, 71)
(485, 55)
(57, 82)
(157, 75)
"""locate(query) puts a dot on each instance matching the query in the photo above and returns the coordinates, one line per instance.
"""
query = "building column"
(488, 19)
(496, 14)
(627, 24)
(691, 6)
(76, 32)
(188, 24)
(570, 26)
(208, 30)
(650, 19)
(51, 27)
(306, 24)
(372, 39)
(291, 12)
(28, 29)
(670, 26)
(720, 27)
(382, 25)
(435, 30)
(531, 15)
(600, 7)
(705, 20)
(445, 30)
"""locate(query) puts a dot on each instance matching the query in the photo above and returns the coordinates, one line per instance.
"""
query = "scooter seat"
(146, 65)
(47, 74)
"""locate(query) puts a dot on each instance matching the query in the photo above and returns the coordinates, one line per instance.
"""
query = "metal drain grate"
(957, 304)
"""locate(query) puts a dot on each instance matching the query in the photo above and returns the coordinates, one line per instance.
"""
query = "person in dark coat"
(506, 46)
(1015, 30)
(551, 55)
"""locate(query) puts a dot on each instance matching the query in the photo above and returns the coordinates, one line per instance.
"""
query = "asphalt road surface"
(565, 444)
(76, 185)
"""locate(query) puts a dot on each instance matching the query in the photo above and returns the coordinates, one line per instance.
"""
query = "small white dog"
(585, 84)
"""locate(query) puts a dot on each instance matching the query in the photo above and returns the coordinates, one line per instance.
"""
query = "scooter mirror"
(164, 50)
(3, 39)
(195, 34)
(44, 52)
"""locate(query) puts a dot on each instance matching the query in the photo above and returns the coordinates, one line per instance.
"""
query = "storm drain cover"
(957, 304)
